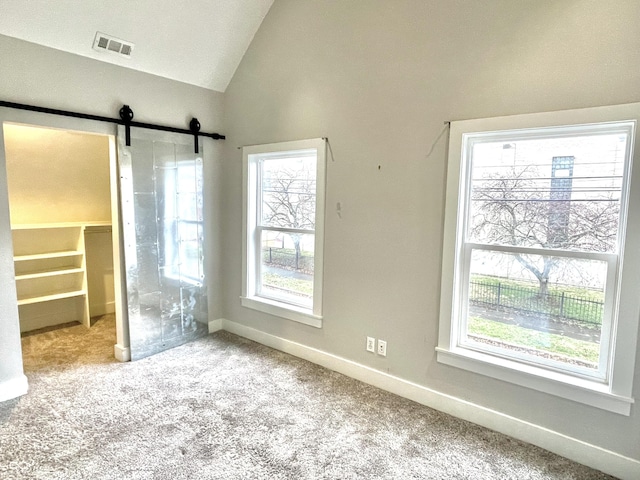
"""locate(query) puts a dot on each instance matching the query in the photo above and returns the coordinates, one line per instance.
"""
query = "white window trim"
(615, 393)
(250, 232)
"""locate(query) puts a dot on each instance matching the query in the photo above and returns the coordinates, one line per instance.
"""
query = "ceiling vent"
(107, 43)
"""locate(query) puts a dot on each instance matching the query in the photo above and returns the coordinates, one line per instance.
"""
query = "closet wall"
(61, 178)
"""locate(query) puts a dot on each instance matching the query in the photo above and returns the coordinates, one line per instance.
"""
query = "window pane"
(287, 267)
(289, 192)
(190, 235)
(543, 307)
(559, 192)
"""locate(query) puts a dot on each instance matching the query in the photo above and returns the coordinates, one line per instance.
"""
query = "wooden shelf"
(40, 226)
(50, 265)
(50, 273)
(42, 256)
(50, 297)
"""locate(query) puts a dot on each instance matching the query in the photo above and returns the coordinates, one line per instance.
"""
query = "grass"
(286, 251)
(548, 342)
(303, 287)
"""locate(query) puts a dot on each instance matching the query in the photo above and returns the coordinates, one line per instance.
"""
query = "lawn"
(293, 285)
(547, 342)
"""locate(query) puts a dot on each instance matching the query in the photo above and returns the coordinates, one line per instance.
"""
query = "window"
(181, 209)
(284, 215)
(534, 289)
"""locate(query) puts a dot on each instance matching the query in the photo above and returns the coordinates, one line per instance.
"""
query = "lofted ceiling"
(199, 42)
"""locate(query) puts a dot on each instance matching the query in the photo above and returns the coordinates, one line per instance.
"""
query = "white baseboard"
(13, 388)
(215, 325)
(122, 354)
(593, 456)
(35, 320)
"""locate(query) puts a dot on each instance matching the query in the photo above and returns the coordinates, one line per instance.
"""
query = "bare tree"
(289, 201)
(524, 208)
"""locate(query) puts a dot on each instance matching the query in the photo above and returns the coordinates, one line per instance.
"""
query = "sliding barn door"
(161, 181)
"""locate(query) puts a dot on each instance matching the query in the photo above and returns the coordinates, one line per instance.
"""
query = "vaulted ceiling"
(200, 42)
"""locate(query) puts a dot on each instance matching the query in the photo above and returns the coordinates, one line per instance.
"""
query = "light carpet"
(223, 407)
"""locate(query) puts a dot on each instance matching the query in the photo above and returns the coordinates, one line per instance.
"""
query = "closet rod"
(128, 122)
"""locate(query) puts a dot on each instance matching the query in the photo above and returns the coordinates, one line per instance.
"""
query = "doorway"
(59, 191)
(60, 208)
(12, 378)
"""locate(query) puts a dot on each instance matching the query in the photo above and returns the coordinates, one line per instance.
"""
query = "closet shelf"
(41, 256)
(51, 296)
(49, 273)
(41, 226)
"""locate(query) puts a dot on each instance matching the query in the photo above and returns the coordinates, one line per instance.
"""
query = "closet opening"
(60, 201)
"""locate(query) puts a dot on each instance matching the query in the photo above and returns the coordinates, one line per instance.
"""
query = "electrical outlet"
(382, 348)
(371, 344)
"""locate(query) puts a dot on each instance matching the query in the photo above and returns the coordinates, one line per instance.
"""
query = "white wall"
(12, 380)
(36, 75)
(100, 276)
(380, 78)
(56, 176)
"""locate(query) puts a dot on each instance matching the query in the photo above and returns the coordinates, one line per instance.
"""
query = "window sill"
(555, 383)
(279, 309)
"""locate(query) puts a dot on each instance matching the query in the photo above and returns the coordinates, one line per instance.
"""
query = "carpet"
(223, 407)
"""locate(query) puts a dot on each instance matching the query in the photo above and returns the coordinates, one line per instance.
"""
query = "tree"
(289, 199)
(524, 208)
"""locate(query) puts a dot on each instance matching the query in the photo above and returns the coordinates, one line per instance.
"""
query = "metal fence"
(557, 304)
(288, 259)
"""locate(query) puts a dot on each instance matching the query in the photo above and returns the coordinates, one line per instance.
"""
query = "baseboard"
(215, 325)
(13, 388)
(122, 354)
(100, 309)
(31, 320)
(592, 456)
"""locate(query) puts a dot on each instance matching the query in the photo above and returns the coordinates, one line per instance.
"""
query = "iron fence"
(288, 259)
(527, 299)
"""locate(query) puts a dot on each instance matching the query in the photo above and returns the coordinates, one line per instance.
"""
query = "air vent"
(107, 43)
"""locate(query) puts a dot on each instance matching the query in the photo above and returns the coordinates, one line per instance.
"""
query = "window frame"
(252, 231)
(612, 389)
